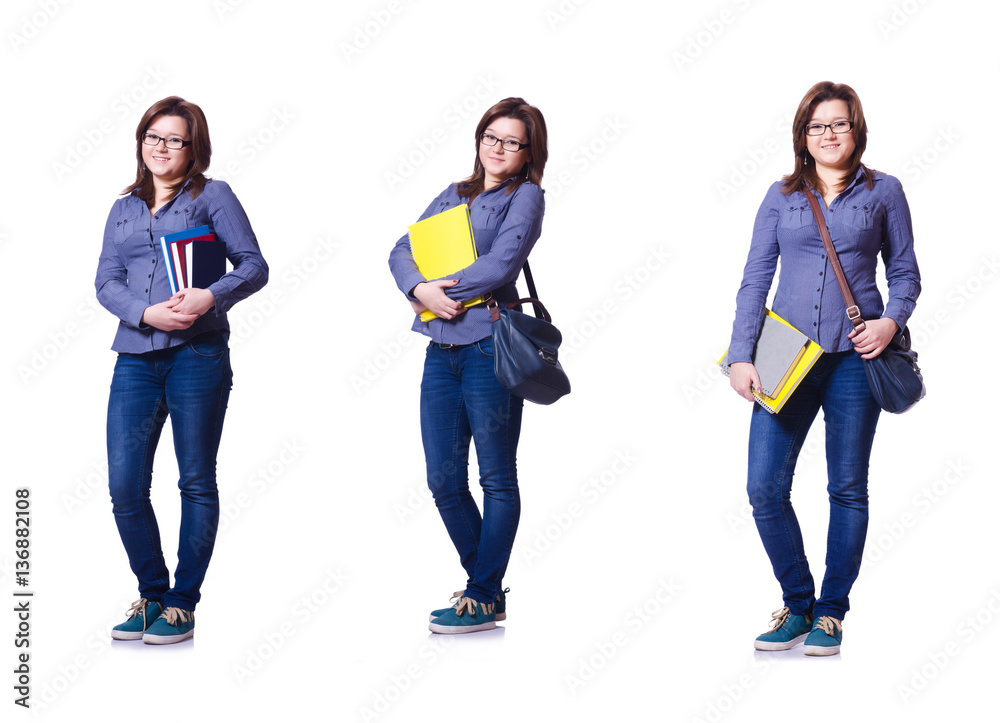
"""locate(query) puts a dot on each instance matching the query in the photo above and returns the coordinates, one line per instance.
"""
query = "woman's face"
(499, 163)
(831, 150)
(166, 164)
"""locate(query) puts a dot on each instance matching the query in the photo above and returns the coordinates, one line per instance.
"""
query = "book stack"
(193, 258)
(442, 245)
(783, 356)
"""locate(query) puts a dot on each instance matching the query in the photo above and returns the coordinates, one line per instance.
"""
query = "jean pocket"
(485, 346)
(209, 346)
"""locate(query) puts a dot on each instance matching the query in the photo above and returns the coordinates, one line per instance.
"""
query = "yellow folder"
(442, 245)
(799, 361)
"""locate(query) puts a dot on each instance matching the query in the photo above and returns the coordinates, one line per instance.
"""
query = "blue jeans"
(462, 401)
(189, 383)
(837, 384)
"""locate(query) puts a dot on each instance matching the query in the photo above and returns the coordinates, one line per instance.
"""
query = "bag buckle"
(855, 316)
(549, 355)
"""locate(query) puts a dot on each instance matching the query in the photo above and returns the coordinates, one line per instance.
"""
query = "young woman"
(173, 358)
(867, 215)
(460, 397)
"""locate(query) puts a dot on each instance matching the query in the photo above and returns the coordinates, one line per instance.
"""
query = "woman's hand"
(163, 316)
(875, 337)
(193, 301)
(417, 307)
(431, 295)
(741, 376)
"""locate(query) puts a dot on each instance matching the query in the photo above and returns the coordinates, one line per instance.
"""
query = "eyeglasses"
(174, 144)
(488, 139)
(818, 129)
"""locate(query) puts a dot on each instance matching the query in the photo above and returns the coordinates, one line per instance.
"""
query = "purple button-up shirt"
(131, 274)
(863, 223)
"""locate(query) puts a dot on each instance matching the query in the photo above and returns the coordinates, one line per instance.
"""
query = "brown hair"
(805, 174)
(201, 147)
(534, 123)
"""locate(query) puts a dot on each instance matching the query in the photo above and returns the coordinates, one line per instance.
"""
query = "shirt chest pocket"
(492, 214)
(123, 229)
(795, 217)
(861, 216)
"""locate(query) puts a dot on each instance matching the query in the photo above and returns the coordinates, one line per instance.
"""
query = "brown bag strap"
(853, 312)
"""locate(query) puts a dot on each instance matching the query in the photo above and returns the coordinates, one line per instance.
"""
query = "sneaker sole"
(821, 649)
(455, 629)
(166, 639)
(767, 645)
(500, 617)
(124, 635)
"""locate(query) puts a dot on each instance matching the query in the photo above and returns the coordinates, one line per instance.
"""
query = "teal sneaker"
(787, 630)
(825, 637)
(140, 616)
(501, 605)
(468, 616)
(173, 626)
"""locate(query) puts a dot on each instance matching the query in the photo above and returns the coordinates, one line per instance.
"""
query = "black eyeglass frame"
(850, 127)
(520, 146)
(183, 143)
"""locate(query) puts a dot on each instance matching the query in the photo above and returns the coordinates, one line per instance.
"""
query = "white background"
(637, 581)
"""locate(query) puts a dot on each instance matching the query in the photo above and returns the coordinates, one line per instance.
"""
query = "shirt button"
(814, 323)
(815, 307)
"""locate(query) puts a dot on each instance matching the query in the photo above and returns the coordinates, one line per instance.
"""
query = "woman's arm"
(517, 235)
(401, 263)
(758, 273)
(111, 281)
(250, 271)
(901, 270)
